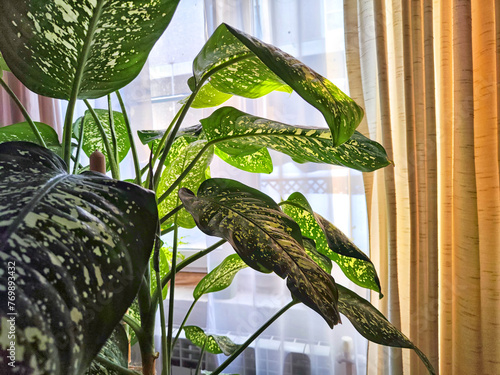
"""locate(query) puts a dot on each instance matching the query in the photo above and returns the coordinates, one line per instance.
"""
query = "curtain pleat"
(432, 68)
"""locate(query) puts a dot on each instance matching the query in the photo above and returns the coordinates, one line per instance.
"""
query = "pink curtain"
(40, 108)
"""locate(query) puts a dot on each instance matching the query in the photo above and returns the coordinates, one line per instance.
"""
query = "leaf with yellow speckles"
(220, 277)
(181, 154)
(237, 133)
(211, 343)
(331, 242)
(264, 237)
(77, 246)
(22, 132)
(115, 350)
(240, 64)
(87, 48)
(374, 326)
(92, 137)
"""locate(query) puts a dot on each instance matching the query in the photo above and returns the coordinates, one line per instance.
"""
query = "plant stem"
(162, 142)
(257, 333)
(112, 128)
(186, 262)
(184, 322)
(198, 367)
(138, 172)
(113, 366)
(171, 213)
(173, 272)
(115, 172)
(80, 143)
(164, 346)
(134, 324)
(24, 112)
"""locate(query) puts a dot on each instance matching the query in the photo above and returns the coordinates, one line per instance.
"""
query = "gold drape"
(427, 73)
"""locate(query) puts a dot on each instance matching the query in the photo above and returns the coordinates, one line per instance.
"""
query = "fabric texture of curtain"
(427, 73)
(40, 108)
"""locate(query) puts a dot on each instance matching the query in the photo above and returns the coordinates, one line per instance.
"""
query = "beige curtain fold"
(40, 108)
(427, 73)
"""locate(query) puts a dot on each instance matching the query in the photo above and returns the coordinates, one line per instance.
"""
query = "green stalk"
(186, 262)
(79, 149)
(112, 128)
(163, 140)
(115, 172)
(24, 112)
(137, 167)
(113, 366)
(68, 121)
(173, 271)
(171, 137)
(257, 333)
(134, 324)
(184, 322)
(164, 346)
(198, 367)
(171, 213)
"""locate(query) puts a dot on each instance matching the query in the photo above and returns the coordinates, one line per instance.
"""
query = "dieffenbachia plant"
(87, 247)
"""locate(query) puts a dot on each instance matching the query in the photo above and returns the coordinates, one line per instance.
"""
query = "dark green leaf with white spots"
(331, 242)
(86, 47)
(80, 244)
(220, 277)
(211, 343)
(180, 156)
(92, 137)
(239, 133)
(115, 350)
(22, 132)
(264, 237)
(374, 326)
(243, 65)
(258, 162)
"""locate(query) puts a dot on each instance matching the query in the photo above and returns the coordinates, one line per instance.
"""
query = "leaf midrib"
(274, 240)
(29, 207)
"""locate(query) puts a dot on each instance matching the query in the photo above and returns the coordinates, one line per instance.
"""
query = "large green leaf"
(208, 96)
(77, 246)
(264, 237)
(115, 350)
(180, 156)
(211, 343)
(238, 133)
(92, 137)
(258, 162)
(370, 323)
(220, 277)
(86, 47)
(22, 132)
(240, 64)
(331, 242)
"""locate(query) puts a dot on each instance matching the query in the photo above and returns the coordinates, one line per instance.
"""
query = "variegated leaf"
(264, 237)
(88, 48)
(92, 137)
(211, 343)
(208, 96)
(331, 242)
(180, 156)
(115, 350)
(374, 326)
(239, 133)
(220, 277)
(243, 65)
(76, 247)
(22, 132)
(258, 162)
(321, 260)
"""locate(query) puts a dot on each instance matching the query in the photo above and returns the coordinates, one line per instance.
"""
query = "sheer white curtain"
(313, 32)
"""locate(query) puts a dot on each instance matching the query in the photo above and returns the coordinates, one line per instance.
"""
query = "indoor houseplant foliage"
(89, 49)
